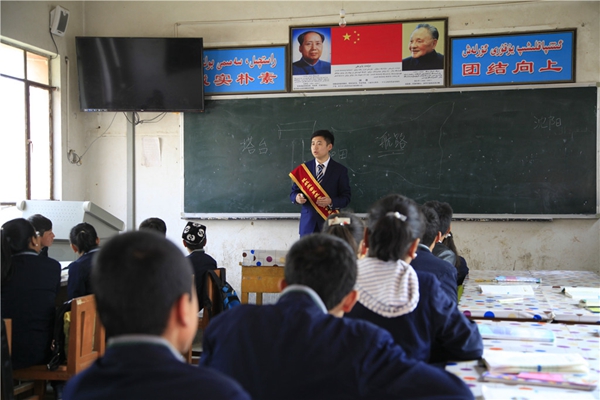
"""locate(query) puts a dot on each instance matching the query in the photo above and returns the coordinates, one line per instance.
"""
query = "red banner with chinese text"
(366, 44)
(311, 189)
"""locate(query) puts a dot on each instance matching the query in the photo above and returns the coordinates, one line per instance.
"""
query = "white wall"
(562, 244)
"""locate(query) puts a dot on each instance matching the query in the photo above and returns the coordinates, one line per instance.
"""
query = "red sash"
(311, 189)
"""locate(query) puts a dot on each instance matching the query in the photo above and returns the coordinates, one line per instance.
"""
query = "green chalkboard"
(526, 151)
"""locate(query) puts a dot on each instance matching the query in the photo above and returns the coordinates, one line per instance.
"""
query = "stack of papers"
(581, 292)
(512, 333)
(500, 290)
(500, 362)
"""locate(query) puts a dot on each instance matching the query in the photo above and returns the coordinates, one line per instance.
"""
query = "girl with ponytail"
(409, 304)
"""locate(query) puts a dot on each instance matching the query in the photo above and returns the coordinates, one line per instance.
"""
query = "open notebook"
(513, 290)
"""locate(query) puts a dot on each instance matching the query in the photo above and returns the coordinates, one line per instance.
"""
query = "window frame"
(27, 85)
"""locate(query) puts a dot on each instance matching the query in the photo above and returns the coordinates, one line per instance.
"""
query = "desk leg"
(244, 298)
(259, 298)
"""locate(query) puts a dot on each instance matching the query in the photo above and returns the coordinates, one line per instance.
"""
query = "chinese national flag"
(366, 44)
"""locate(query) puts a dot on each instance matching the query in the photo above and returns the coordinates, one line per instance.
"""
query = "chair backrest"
(86, 334)
(211, 292)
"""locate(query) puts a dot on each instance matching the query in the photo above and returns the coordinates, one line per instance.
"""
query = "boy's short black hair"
(40, 223)
(324, 263)
(432, 225)
(329, 138)
(137, 277)
(444, 212)
(155, 224)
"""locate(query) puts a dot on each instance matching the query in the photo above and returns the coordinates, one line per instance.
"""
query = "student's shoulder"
(214, 384)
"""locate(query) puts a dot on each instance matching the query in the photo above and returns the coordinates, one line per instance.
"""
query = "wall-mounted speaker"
(59, 18)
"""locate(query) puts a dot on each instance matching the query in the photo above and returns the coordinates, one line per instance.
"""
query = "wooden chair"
(260, 280)
(204, 320)
(11, 389)
(86, 343)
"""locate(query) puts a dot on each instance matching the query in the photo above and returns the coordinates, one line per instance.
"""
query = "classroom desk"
(566, 309)
(260, 280)
(547, 304)
(582, 339)
(474, 304)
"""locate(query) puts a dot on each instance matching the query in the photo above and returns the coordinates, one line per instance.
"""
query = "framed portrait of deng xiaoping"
(369, 56)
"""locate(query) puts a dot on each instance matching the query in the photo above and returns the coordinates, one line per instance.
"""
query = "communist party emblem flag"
(366, 44)
(311, 189)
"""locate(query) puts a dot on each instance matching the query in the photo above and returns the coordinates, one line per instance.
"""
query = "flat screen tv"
(140, 74)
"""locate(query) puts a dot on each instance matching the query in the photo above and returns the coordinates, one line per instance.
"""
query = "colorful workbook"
(502, 362)
(513, 333)
(567, 381)
(507, 392)
(500, 290)
(517, 279)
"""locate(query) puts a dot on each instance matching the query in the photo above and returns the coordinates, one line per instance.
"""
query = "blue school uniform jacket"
(295, 350)
(435, 331)
(443, 270)
(79, 275)
(28, 298)
(337, 185)
(149, 371)
(201, 262)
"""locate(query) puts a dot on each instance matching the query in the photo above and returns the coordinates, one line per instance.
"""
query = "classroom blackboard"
(525, 151)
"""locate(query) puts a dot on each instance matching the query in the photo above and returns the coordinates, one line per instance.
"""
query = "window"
(26, 132)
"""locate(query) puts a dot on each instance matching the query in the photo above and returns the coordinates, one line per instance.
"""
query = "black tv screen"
(140, 74)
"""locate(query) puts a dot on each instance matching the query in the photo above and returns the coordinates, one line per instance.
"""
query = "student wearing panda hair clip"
(348, 227)
(409, 304)
(194, 240)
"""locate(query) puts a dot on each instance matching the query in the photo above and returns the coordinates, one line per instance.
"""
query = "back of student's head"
(154, 224)
(444, 211)
(394, 223)
(40, 223)
(432, 225)
(16, 237)
(137, 277)
(324, 263)
(194, 235)
(346, 226)
(327, 135)
(83, 236)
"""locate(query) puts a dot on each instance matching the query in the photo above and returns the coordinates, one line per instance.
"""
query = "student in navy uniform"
(300, 348)
(427, 262)
(462, 270)
(43, 226)
(410, 305)
(154, 224)
(311, 48)
(194, 240)
(29, 287)
(84, 242)
(335, 182)
(146, 301)
(444, 212)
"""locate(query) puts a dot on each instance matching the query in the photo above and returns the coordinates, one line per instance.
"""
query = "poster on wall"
(245, 70)
(371, 56)
(534, 57)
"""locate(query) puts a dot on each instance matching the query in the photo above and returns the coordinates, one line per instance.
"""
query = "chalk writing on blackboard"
(546, 122)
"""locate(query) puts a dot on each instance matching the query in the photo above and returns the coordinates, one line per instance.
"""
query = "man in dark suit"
(428, 262)
(334, 181)
(422, 49)
(147, 302)
(300, 348)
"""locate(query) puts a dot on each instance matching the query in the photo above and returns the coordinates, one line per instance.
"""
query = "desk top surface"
(547, 303)
(581, 339)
